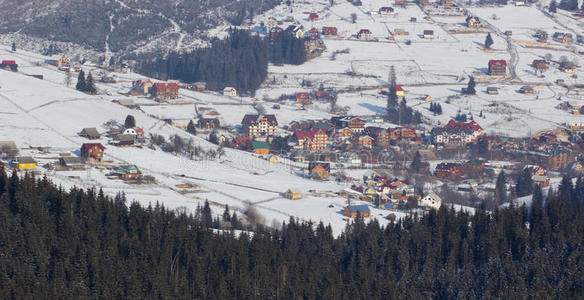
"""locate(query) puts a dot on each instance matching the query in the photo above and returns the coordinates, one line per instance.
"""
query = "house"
(399, 31)
(413, 19)
(491, 90)
(259, 125)
(567, 67)
(366, 141)
(135, 131)
(329, 31)
(386, 10)
(242, 143)
(344, 133)
(380, 135)
(321, 94)
(259, 147)
(398, 134)
(364, 35)
(9, 65)
(446, 2)
(230, 91)
(473, 22)
(127, 172)
(542, 181)
(8, 149)
(356, 125)
(302, 97)
(313, 139)
(535, 170)
(92, 152)
(559, 158)
(272, 158)
(25, 163)
(497, 67)
(199, 86)
(59, 63)
(399, 91)
(90, 133)
(449, 170)
(208, 123)
(140, 87)
(561, 37)
(312, 17)
(431, 201)
(162, 91)
(124, 140)
(539, 64)
(293, 194)
(526, 89)
(319, 170)
(352, 211)
(72, 163)
(428, 34)
(457, 133)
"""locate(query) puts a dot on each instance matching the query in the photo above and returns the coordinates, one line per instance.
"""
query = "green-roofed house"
(260, 147)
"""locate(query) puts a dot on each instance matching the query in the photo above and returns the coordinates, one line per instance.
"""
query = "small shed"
(293, 194)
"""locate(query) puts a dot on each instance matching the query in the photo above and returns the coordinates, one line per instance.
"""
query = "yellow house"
(272, 158)
(293, 194)
(26, 163)
(428, 98)
(62, 61)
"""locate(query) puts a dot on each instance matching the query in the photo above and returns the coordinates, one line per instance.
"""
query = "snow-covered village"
(248, 118)
(399, 107)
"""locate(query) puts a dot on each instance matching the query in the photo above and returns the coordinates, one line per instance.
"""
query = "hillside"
(126, 26)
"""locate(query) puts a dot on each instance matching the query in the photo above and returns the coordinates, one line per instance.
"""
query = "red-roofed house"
(364, 35)
(497, 67)
(399, 91)
(92, 151)
(428, 34)
(302, 97)
(9, 65)
(329, 30)
(312, 17)
(314, 139)
(163, 91)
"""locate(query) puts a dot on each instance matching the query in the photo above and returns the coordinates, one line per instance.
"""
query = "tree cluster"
(436, 108)
(82, 244)
(86, 85)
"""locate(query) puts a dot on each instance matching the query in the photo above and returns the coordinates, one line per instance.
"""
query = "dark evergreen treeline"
(240, 61)
(77, 245)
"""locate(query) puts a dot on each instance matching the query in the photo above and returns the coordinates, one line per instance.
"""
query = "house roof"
(364, 31)
(497, 61)
(25, 160)
(254, 119)
(358, 208)
(90, 132)
(127, 169)
(260, 145)
(433, 196)
(124, 137)
(71, 160)
(88, 146)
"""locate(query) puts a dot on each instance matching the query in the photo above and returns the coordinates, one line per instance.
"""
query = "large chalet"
(164, 91)
(313, 139)
(457, 133)
(259, 125)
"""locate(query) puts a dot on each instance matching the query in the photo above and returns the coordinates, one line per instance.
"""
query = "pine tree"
(81, 82)
(500, 189)
(90, 85)
(130, 121)
(191, 128)
(524, 184)
(226, 215)
(13, 47)
(553, 8)
(489, 41)
(471, 86)
(416, 164)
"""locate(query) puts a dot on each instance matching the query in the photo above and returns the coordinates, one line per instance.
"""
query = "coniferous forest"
(57, 244)
(240, 61)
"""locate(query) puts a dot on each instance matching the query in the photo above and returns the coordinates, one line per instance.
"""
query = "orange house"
(261, 148)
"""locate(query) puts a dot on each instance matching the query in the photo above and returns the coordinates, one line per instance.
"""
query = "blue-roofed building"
(352, 211)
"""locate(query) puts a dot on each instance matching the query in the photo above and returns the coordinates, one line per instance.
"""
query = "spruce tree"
(470, 89)
(90, 85)
(13, 47)
(500, 189)
(416, 164)
(191, 128)
(80, 86)
(553, 8)
(489, 41)
(130, 121)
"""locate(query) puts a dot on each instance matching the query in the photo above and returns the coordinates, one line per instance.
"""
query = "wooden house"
(428, 34)
(9, 65)
(539, 64)
(208, 123)
(497, 67)
(127, 172)
(25, 163)
(449, 170)
(259, 147)
(229, 91)
(366, 141)
(162, 91)
(473, 22)
(124, 140)
(319, 170)
(302, 97)
(365, 35)
(356, 125)
(352, 211)
(329, 30)
(92, 152)
(90, 133)
(293, 194)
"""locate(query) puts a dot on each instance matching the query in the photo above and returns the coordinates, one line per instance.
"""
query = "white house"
(431, 201)
(230, 91)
